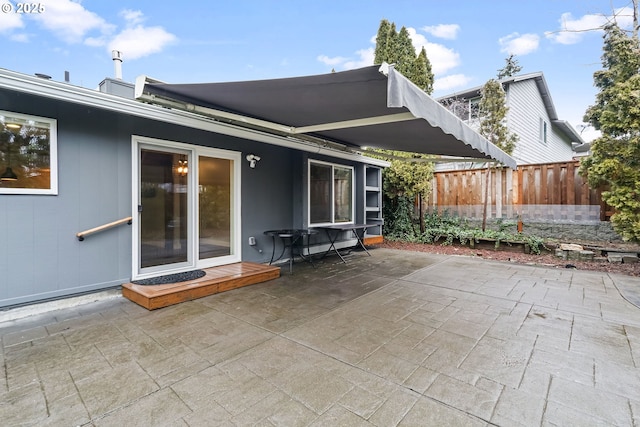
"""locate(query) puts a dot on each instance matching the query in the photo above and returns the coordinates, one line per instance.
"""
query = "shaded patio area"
(398, 338)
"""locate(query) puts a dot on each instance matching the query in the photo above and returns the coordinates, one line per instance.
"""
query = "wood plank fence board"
(539, 184)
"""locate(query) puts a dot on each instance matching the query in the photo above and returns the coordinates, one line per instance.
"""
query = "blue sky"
(467, 41)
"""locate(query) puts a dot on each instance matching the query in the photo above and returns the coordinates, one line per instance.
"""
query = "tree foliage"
(511, 67)
(382, 42)
(493, 111)
(409, 176)
(396, 48)
(422, 72)
(615, 158)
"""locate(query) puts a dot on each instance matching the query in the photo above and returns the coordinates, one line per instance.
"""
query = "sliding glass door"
(187, 199)
(163, 208)
(215, 207)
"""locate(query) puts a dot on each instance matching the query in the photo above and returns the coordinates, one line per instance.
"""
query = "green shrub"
(446, 228)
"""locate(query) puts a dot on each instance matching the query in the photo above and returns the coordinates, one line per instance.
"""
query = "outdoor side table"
(291, 238)
(333, 232)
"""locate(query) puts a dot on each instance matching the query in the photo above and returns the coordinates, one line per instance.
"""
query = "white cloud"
(139, 41)
(365, 58)
(336, 60)
(623, 17)
(133, 17)
(519, 44)
(70, 21)
(10, 22)
(21, 38)
(441, 57)
(588, 134)
(136, 40)
(453, 81)
(573, 30)
(443, 31)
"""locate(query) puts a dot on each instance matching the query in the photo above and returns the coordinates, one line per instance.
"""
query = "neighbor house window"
(543, 131)
(28, 155)
(474, 110)
(330, 193)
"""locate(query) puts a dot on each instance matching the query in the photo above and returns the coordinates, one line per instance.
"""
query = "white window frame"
(333, 214)
(193, 152)
(543, 131)
(53, 155)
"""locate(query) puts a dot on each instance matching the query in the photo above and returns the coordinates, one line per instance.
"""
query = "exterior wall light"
(252, 159)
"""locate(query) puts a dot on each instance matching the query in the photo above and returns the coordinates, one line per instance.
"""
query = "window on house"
(28, 154)
(330, 193)
(474, 110)
(543, 131)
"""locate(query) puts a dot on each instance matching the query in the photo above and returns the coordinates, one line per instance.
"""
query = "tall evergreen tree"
(421, 72)
(615, 158)
(391, 54)
(511, 68)
(406, 53)
(493, 111)
(382, 42)
(409, 176)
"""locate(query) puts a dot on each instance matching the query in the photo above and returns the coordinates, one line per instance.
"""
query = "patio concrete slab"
(395, 339)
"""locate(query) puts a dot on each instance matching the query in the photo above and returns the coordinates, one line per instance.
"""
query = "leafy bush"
(399, 222)
(446, 228)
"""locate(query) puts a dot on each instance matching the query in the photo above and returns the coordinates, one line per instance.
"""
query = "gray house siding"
(526, 108)
(41, 258)
(529, 102)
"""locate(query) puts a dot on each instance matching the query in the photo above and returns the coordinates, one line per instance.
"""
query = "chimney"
(116, 55)
(117, 86)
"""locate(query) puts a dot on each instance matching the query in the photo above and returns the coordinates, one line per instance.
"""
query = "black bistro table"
(334, 230)
(291, 238)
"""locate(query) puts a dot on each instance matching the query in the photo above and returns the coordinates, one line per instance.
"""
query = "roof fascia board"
(546, 96)
(66, 92)
(568, 130)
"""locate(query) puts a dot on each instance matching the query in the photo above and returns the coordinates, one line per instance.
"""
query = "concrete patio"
(398, 338)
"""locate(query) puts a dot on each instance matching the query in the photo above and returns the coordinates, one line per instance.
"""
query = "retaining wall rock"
(597, 231)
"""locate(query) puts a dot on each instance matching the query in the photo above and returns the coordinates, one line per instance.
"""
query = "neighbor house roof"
(541, 84)
(371, 107)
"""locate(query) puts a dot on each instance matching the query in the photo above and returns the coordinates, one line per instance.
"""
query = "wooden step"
(372, 240)
(216, 279)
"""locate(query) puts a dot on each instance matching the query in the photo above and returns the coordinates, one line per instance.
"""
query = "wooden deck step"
(216, 279)
(372, 240)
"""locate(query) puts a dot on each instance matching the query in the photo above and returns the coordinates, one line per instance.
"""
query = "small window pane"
(320, 193)
(27, 154)
(343, 188)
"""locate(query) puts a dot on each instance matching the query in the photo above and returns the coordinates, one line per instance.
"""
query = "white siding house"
(542, 136)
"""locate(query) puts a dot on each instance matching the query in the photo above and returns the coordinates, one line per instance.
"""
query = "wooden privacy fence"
(554, 191)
